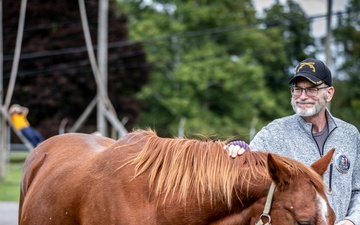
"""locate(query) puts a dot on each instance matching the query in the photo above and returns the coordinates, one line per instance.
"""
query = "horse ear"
(322, 164)
(278, 172)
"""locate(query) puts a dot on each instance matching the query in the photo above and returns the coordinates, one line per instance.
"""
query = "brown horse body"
(145, 179)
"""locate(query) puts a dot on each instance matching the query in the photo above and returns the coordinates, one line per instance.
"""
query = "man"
(311, 132)
(18, 116)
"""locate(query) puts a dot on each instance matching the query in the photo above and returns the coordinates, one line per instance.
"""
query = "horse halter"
(267, 208)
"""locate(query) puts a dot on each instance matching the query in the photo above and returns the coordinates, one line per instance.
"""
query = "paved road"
(8, 213)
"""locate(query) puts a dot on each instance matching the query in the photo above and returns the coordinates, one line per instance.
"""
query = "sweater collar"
(308, 126)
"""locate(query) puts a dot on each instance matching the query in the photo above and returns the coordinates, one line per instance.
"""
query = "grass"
(10, 185)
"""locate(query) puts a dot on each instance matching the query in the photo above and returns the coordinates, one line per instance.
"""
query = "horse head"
(299, 197)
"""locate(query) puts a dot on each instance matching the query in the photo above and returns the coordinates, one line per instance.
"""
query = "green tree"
(291, 20)
(346, 103)
(289, 28)
(215, 63)
(204, 68)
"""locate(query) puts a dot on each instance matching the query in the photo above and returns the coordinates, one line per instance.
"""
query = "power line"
(148, 41)
(190, 34)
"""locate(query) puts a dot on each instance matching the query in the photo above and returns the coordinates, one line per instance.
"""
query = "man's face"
(309, 100)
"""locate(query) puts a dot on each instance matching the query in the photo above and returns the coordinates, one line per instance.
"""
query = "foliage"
(346, 103)
(289, 29)
(213, 65)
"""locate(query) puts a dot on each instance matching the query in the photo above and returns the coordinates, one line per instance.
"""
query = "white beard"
(309, 112)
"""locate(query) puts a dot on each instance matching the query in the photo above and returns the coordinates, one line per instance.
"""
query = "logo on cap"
(310, 64)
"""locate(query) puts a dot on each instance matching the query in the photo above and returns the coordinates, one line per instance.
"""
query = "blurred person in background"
(18, 115)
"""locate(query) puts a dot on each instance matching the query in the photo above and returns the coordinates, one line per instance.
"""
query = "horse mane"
(188, 167)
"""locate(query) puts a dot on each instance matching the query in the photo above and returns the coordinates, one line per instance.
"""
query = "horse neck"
(252, 192)
(250, 204)
(246, 208)
(253, 184)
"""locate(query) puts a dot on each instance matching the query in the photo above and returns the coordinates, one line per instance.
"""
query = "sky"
(311, 8)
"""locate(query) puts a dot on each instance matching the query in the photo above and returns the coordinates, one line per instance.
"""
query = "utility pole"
(328, 33)
(2, 119)
(102, 62)
(109, 113)
(328, 38)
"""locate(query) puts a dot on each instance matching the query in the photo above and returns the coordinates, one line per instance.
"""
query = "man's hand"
(236, 148)
(345, 222)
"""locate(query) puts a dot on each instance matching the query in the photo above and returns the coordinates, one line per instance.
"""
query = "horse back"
(58, 158)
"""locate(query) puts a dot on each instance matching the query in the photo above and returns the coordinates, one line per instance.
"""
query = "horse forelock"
(188, 168)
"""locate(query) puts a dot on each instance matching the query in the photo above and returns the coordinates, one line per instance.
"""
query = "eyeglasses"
(310, 91)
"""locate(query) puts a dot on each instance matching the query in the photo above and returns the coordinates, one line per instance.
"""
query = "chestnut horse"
(146, 179)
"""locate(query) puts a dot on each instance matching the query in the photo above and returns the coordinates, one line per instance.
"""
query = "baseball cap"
(15, 108)
(314, 70)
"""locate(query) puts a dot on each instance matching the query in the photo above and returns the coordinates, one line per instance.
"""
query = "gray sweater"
(292, 137)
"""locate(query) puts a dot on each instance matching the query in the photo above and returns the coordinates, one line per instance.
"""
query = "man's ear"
(331, 92)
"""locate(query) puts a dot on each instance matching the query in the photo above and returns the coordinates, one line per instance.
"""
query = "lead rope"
(267, 208)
